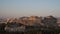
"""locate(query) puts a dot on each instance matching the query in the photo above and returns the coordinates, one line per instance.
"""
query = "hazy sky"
(17, 8)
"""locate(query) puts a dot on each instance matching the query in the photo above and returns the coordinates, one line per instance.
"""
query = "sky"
(18, 8)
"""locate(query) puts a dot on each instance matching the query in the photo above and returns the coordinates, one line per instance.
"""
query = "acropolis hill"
(33, 23)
